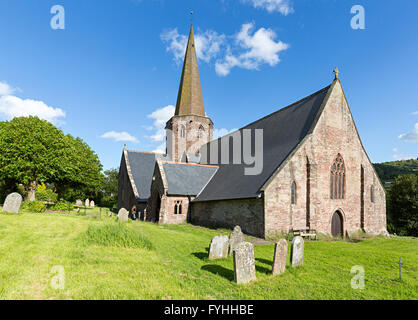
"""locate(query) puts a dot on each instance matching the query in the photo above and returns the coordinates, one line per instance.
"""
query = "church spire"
(189, 99)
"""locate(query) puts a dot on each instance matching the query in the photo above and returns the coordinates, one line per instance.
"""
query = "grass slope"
(176, 265)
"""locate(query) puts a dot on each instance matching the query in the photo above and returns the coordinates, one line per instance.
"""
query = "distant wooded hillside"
(388, 171)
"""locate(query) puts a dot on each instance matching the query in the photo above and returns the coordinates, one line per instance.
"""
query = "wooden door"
(337, 224)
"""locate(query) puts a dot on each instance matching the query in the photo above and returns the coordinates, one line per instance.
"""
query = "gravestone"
(123, 215)
(87, 203)
(235, 238)
(92, 203)
(218, 248)
(12, 203)
(280, 255)
(244, 264)
(296, 252)
(79, 203)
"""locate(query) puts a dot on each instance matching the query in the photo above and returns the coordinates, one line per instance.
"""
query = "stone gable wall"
(334, 133)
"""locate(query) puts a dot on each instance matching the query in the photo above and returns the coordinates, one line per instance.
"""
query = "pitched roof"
(186, 178)
(189, 99)
(142, 167)
(283, 130)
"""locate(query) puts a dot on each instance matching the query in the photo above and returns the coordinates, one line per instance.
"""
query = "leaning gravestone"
(79, 203)
(12, 203)
(235, 238)
(218, 248)
(244, 264)
(280, 255)
(123, 215)
(92, 203)
(87, 203)
(296, 253)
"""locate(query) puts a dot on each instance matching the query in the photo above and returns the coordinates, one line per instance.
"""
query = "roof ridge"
(189, 164)
(146, 152)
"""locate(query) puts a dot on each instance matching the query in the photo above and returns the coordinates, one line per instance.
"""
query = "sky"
(108, 71)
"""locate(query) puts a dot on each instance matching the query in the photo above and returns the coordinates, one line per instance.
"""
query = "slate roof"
(142, 167)
(283, 131)
(186, 179)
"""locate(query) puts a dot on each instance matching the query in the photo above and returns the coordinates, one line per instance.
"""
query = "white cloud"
(411, 136)
(282, 6)
(415, 113)
(119, 136)
(247, 49)
(259, 48)
(208, 44)
(6, 89)
(218, 133)
(395, 149)
(160, 148)
(402, 157)
(161, 116)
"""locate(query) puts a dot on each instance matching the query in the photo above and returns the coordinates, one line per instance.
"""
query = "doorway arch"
(155, 206)
(337, 224)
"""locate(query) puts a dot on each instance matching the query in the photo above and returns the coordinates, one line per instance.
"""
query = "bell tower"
(189, 128)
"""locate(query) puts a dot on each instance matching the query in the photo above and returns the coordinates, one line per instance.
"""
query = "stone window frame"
(372, 193)
(293, 193)
(178, 207)
(182, 131)
(200, 132)
(337, 178)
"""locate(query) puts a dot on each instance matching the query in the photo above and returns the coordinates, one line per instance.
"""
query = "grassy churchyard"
(103, 259)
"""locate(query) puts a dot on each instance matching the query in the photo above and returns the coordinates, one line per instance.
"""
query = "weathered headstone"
(235, 238)
(12, 203)
(244, 264)
(280, 255)
(123, 215)
(218, 248)
(296, 252)
(92, 203)
(79, 203)
(87, 203)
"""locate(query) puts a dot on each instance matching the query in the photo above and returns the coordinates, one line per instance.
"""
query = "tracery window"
(337, 178)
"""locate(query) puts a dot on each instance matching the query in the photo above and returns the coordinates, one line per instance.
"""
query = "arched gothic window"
(337, 178)
(293, 193)
(372, 193)
(200, 132)
(176, 208)
(182, 131)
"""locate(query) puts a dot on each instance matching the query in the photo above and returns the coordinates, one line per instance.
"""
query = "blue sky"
(113, 72)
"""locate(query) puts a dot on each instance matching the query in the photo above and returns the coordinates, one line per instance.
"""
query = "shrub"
(62, 206)
(115, 235)
(34, 206)
(43, 194)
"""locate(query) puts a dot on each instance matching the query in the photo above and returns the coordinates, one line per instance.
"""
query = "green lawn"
(177, 266)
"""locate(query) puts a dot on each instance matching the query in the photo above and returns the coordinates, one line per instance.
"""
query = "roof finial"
(336, 72)
(191, 16)
(124, 146)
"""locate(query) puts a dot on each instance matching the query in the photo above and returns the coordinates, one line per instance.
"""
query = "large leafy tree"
(403, 205)
(34, 150)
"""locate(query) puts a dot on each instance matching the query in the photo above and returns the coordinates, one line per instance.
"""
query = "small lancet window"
(200, 132)
(293, 193)
(176, 208)
(180, 208)
(372, 194)
(337, 178)
(182, 131)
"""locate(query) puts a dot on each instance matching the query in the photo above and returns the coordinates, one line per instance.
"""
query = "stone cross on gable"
(336, 72)
(400, 267)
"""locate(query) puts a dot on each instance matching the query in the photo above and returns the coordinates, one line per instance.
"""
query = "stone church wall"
(334, 134)
(246, 213)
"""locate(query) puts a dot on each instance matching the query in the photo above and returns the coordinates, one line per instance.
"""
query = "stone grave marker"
(280, 256)
(87, 203)
(92, 203)
(244, 264)
(218, 248)
(79, 203)
(12, 203)
(123, 215)
(235, 238)
(296, 252)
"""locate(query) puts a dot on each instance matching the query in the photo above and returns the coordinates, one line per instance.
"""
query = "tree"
(34, 150)
(403, 205)
(110, 188)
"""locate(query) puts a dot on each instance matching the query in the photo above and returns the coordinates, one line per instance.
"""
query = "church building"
(303, 166)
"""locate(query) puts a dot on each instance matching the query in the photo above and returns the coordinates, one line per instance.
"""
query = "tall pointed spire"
(189, 99)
